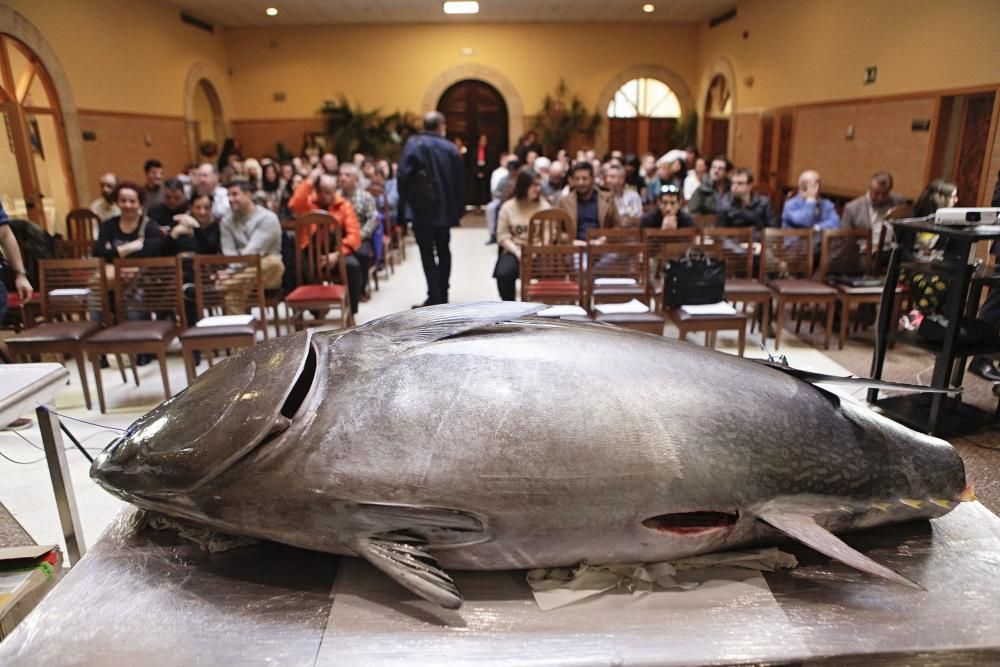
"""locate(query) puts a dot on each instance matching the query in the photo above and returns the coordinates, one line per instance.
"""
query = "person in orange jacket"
(319, 192)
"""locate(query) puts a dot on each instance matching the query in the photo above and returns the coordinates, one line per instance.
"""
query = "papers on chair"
(562, 311)
(630, 308)
(616, 282)
(225, 321)
(69, 291)
(721, 308)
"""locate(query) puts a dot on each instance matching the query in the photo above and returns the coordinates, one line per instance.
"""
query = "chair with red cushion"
(322, 286)
(74, 303)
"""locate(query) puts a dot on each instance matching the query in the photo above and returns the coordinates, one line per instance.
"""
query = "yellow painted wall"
(800, 52)
(125, 55)
(392, 66)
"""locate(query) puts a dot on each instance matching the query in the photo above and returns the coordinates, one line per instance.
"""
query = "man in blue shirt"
(807, 209)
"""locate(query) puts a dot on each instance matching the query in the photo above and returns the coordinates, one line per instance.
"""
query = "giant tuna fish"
(475, 437)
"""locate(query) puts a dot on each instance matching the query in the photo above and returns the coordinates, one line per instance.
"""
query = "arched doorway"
(642, 117)
(206, 125)
(718, 110)
(474, 108)
(36, 181)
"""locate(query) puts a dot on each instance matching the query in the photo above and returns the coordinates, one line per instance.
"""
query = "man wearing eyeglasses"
(668, 213)
(740, 207)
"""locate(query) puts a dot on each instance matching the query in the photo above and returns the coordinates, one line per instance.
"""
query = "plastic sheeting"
(147, 597)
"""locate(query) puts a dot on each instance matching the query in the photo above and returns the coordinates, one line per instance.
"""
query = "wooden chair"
(550, 227)
(151, 288)
(74, 304)
(552, 274)
(321, 287)
(72, 248)
(786, 266)
(735, 245)
(82, 224)
(226, 285)
(705, 220)
(664, 245)
(621, 262)
(614, 235)
(847, 252)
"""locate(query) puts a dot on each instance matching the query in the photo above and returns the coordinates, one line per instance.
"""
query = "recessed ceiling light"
(467, 51)
(649, 8)
(461, 7)
(271, 11)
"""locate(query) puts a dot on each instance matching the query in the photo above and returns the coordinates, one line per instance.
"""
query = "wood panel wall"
(883, 139)
(125, 141)
(260, 137)
(746, 142)
(993, 173)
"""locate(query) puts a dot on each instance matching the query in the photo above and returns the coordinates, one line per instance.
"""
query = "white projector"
(966, 216)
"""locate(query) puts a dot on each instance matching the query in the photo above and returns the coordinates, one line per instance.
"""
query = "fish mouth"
(692, 523)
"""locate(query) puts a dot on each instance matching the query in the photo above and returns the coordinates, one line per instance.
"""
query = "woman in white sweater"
(512, 229)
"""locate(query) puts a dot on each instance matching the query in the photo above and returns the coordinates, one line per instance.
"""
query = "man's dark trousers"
(435, 255)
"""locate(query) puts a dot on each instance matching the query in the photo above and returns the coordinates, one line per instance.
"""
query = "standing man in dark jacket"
(432, 186)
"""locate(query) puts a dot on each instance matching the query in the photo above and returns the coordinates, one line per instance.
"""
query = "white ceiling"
(246, 13)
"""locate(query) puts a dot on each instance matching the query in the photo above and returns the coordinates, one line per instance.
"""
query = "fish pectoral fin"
(804, 528)
(405, 560)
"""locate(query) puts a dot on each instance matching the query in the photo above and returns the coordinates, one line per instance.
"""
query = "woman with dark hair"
(269, 193)
(130, 234)
(512, 229)
(928, 290)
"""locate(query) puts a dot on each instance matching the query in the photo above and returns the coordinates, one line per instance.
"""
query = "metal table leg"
(62, 484)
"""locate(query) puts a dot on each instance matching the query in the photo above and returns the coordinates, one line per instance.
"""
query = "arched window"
(649, 98)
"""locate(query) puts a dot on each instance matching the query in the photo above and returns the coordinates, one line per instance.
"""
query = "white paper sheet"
(69, 291)
(619, 282)
(631, 307)
(225, 320)
(721, 308)
(561, 311)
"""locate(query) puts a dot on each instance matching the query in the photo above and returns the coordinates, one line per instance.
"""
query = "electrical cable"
(82, 421)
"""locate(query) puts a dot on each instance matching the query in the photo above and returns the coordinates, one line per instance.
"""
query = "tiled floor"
(25, 489)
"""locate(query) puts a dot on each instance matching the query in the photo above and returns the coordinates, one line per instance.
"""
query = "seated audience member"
(695, 177)
(252, 171)
(330, 163)
(633, 177)
(740, 207)
(555, 183)
(104, 207)
(705, 199)
(691, 156)
(647, 168)
(668, 213)
(927, 289)
(500, 172)
(501, 193)
(195, 231)
(868, 211)
(319, 191)
(206, 182)
(588, 207)
(512, 229)
(153, 188)
(268, 193)
(129, 234)
(807, 209)
(528, 144)
(366, 213)
(627, 200)
(248, 229)
(669, 169)
(172, 203)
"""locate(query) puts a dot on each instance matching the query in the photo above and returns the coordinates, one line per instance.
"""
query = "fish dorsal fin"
(871, 383)
(804, 528)
(405, 560)
(426, 325)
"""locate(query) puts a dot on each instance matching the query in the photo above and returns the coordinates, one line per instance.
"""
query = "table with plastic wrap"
(149, 597)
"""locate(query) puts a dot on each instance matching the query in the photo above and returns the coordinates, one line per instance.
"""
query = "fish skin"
(537, 443)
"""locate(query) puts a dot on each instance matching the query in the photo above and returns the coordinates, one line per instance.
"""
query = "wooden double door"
(473, 108)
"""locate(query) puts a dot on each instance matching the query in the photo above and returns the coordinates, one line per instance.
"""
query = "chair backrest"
(734, 245)
(845, 251)
(82, 224)
(704, 220)
(666, 244)
(615, 234)
(549, 227)
(556, 268)
(786, 253)
(617, 260)
(324, 237)
(72, 248)
(152, 286)
(73, 289)
(211, 273)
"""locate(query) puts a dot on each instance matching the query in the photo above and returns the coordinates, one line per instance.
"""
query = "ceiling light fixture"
(649, 8)
(461, 7)
(271, 11)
